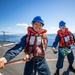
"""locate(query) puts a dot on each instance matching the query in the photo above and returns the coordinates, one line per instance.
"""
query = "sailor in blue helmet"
(65, 38)
(34, 45)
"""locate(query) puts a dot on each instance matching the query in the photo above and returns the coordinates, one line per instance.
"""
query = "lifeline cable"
(15, 61)
(20, 60)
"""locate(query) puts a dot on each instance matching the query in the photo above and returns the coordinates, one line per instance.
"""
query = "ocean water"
(17, 38)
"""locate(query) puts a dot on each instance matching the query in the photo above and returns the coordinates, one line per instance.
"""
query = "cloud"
(53, 28)
(23, 25)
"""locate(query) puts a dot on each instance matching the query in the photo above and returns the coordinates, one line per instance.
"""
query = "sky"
(17, 15)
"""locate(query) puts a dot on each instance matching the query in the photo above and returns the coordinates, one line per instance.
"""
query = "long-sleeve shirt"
(11, 53)
(57, 39)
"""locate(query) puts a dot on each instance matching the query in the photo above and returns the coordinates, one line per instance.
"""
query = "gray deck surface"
(17, 69)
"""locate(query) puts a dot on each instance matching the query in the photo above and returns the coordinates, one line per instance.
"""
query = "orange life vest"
(66, 38)
(32, 42)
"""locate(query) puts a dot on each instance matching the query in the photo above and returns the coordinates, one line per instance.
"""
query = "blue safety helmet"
(62, 23)
(38, 19)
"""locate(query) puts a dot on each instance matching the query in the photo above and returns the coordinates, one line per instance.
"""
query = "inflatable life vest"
(36, 42)
(66, 38)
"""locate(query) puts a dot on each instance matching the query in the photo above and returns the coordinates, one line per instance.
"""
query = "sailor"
(34, 44)
(65, 38)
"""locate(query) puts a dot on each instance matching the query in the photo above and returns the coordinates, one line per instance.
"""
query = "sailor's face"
(37, 26)
(62, 28)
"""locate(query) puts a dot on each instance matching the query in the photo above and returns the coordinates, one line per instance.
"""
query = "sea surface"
(17, 38)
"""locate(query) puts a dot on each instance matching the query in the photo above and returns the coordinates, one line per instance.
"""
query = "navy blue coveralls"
(60, 60)
(35, 64)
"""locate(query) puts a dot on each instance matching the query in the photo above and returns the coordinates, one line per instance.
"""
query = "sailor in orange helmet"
(34, 44)
(65, 38)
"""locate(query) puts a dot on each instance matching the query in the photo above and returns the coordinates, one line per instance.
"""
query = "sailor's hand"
(26, 57)
(54, 50)
(74, 44)
(2, 62)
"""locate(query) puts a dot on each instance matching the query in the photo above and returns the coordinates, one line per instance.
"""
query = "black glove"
(55, 52)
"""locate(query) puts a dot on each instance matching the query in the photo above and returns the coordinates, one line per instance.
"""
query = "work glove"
(54, 50)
